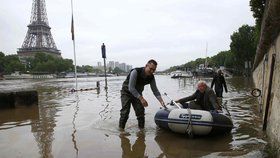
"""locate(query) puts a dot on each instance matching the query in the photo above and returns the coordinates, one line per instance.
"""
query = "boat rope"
(224, 107)
(189, 126)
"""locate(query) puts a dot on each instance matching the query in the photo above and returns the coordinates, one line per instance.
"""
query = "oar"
(173, 101)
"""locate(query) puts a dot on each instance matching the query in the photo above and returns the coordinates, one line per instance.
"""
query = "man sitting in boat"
(205, 99)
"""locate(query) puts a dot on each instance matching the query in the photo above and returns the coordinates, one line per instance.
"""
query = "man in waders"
(131, 93)
(219, 82)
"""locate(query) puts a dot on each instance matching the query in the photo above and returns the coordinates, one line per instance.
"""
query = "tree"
(243, 46)
(95, 70)
(85, 68)
(45, 63)
(88, 68)
(12, 64)
(194, 64)
(257, 7)
(117, 70)
(2, 55)
(110, 70)
(64, 65)
(223, 58)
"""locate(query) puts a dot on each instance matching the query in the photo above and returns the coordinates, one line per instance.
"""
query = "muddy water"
(85, 124)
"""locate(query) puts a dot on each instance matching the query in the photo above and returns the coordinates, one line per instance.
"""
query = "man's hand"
(143, 101)
(219, 111)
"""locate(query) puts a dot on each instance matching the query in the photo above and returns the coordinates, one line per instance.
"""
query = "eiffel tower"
(38, 37)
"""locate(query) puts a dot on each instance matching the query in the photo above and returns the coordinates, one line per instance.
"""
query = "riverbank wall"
(13, 99)
(266, 72)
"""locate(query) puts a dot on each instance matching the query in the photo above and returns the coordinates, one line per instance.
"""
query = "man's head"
(219, 72)
(150, 67)
(201, 86)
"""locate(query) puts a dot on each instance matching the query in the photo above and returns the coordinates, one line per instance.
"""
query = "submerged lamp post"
(103, 50)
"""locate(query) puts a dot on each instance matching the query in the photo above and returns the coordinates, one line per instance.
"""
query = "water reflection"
(240, 84)
(177, 145)
(74, 125)
(43, 130)
(137, 150)
(105, 113)
(21, 115)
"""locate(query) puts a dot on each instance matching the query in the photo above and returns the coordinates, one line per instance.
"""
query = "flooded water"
(85, 124)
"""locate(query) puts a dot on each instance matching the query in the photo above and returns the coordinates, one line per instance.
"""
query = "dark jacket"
(206, 100)
(141, 81)
(219, 82)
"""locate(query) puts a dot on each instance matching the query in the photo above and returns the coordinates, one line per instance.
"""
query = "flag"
(72, 27)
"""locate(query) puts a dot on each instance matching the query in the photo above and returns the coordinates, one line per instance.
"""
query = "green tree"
(257, 7)
(110, 70)
(194, 64)
(88, 68)
(95, 70)
(2, 56)
(243, 46)
(117, 70)
(229, 60)
(223, 58)
(64, 65)
(12, 64)
(45, 63)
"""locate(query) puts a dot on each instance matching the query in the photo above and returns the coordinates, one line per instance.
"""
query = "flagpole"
(206, 63)
(74, 47)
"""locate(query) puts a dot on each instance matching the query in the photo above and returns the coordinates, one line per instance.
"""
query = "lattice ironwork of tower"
(38, 37)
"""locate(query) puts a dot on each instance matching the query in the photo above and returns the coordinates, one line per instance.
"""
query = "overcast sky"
(172, 32)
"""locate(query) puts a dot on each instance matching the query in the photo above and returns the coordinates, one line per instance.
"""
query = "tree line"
(45, 64)
(40, 63)
(242, 47)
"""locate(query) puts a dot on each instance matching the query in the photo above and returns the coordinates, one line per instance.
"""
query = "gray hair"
(201, 82)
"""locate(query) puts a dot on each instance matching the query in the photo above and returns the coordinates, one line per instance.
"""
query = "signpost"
(103, 50)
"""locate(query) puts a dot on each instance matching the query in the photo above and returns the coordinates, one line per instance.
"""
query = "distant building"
(99, 64)
(128, 68)
(111, 64)
(123, 67)
(117, 64)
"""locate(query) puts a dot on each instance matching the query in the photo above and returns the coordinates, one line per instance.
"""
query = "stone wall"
(269, 46)
(261, 79)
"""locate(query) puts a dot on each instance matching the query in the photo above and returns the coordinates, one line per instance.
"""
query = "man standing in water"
(219, 82)
(131, 93)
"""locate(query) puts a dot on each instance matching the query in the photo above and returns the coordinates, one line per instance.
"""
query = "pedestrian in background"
(220, 83)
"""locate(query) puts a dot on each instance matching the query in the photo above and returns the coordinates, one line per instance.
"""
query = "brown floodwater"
(85, 124)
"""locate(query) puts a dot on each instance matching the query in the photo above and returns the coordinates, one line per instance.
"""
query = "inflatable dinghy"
(200, 122)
